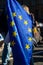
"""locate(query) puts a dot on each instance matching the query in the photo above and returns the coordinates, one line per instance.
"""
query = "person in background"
(37, 35)
(4, 29)
(6, 51)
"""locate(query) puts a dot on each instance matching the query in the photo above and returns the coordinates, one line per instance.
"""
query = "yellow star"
(27, 46)
(14, 34)
(12, 23)
(29, 30)
(35, 30)
(30, 39)
(20, 17)
(14, 14)
(12, 43)
(25, 22)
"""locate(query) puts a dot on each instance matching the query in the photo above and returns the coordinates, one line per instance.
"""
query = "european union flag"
(20, 30)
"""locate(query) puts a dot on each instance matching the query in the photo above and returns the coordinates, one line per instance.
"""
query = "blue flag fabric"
(20, 31)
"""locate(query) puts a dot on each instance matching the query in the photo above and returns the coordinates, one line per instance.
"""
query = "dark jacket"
(3, 23)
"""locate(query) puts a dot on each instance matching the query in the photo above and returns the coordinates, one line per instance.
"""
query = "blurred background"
(36, 7)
